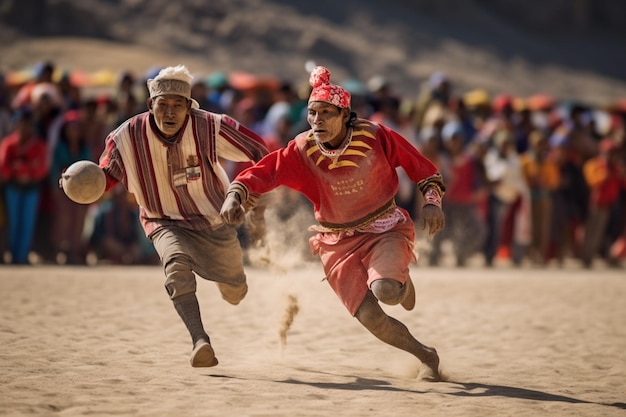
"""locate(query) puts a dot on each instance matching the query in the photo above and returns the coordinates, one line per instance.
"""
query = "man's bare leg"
(394, 333)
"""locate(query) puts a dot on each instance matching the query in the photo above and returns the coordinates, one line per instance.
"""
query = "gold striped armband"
(433, 189)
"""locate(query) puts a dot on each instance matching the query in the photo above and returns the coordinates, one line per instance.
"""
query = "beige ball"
(84, 182)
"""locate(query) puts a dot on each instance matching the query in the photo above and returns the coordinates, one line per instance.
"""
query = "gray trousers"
(214, 255)
(595, 232)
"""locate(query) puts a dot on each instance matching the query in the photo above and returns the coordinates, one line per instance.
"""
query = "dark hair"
(23, 113)
(351, 120)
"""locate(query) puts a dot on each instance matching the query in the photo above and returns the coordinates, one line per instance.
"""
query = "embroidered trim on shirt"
(387, 208)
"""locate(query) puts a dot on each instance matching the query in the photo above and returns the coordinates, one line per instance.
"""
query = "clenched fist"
(433, 219)
(232, 211)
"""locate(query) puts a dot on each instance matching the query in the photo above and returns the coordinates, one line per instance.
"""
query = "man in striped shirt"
(168, 157)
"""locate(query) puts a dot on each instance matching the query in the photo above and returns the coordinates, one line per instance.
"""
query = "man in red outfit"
(347, 168)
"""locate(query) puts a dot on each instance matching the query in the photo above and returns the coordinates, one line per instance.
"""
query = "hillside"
(571, 49)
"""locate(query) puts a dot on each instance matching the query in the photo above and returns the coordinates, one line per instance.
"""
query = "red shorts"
(352, 263)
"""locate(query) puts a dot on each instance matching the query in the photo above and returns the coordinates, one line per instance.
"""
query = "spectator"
(507, 196)
(43, 73)
(126, 84)
(543, 177)
(23, 168)
(220, 92)
(200, 93)
(69, 91)
(571, 199)
(464, 226)
(523, 126)
(69, 217)
(115, 237)
(390, 115)
(6, 113)
(284, 98)
(462, 115)
(126, 107)
(94, 126)
(436, 92)
(606, 176)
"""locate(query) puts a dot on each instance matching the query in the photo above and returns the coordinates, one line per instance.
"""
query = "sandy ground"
(105, 340)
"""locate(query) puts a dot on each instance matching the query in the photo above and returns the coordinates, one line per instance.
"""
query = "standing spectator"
(94, 126)
(126, 84)
(501, 118)
(479, 105)
(507, 199)
(523, 125)
(23, 168)
(579, 133)
(464, 225)
(69, 219)
(606, 176)
(380, 90)
(461, 113)
(284, 98)
(617, 223)
(43, 73)
(126, 107)
(200, 93)
(436, 92)
(247, 111)
(6, 113)
(48, 115)
(390, 115)
(571, 200)
(6, 127)
(71, 94)
(48, 111)
(220, 92)
(542, 176)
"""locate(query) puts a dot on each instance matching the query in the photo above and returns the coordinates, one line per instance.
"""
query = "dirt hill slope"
(571, 49)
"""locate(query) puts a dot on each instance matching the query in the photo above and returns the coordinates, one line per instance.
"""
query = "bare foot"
(431, 361)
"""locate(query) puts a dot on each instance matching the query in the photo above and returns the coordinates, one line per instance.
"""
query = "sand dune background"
(106, 341)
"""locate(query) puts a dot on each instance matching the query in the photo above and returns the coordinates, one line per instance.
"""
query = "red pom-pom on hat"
(319, 76)
(326, 92)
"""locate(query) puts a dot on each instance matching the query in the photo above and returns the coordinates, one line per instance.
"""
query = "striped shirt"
(178, 181)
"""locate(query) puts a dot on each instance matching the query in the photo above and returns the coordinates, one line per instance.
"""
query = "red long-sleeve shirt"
(347, 190)
(23, 163)
(603, 180)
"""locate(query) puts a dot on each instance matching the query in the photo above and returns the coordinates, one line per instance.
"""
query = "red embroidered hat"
(324, 91)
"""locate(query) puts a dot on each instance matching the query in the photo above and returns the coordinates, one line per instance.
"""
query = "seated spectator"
(115, 237)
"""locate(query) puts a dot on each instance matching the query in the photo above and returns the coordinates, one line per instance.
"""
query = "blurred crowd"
(529, 180)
